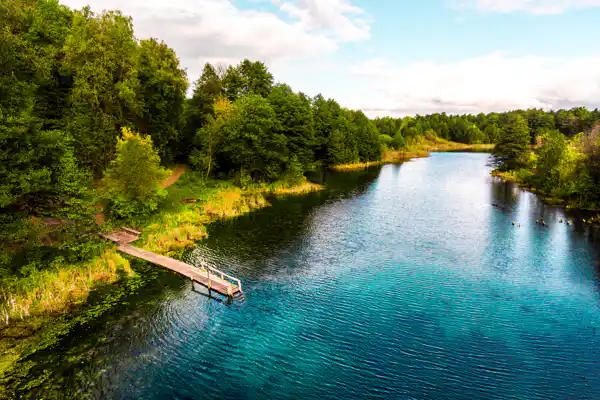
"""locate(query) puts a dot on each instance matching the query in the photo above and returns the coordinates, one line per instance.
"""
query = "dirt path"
(177, 172)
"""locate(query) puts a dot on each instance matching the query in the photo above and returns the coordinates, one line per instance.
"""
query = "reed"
(417, 148)
(355, 166)
(282, 188)
(178, 226)
(57, 289)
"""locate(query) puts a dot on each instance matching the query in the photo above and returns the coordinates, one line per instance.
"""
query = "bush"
(132, 179)
(120, 205)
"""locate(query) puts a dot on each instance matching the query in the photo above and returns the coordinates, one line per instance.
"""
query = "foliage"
(247, 78)
(162, 86)
(211, 137)
(255, 145)
(101, 60)
(131, 180)
(294, 113)
(511, 149)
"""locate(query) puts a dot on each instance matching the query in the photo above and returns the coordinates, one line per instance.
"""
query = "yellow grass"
(418, 148)
(180, 230)
(354, 166)
(508, 176)
(56, 290)
(305, 186)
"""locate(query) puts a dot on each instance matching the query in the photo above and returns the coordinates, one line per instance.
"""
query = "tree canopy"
(71, 81)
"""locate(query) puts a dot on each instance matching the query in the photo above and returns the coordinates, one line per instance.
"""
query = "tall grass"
(416, 148)
(281, 188)
(57, 289)
(177, 226)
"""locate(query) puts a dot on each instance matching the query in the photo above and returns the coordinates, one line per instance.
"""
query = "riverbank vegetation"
(417, 147)
(559, 160)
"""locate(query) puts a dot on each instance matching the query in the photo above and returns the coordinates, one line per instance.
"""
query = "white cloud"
(345, 21)
(217, 31)
(528, 6)
(493, 82)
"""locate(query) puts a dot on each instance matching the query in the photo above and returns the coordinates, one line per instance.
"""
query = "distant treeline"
(488, 128)
(71, 80)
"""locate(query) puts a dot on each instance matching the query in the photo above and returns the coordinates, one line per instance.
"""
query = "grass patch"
(56, 289)
(285, 189)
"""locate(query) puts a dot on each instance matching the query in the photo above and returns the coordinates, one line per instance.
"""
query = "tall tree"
(101, 58)
(294, 113)
(367, 137)
(210, 139)
(255, 145)
(207, 89)
(247, 78)
(163, 84)
(512, 147)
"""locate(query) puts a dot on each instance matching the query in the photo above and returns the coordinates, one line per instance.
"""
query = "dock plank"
(214, 283)
(210, 277)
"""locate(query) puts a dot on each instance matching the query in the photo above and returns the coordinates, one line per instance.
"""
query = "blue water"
(403, 284)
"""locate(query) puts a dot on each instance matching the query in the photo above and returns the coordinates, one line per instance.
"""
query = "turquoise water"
(397, 283)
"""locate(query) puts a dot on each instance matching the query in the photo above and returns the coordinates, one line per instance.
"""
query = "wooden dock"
(207, 276)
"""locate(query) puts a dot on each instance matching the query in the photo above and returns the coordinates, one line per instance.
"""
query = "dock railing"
(222, 275)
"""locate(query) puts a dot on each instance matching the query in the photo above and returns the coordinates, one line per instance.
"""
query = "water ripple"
(411, 287)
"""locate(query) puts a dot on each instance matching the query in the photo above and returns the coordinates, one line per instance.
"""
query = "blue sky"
(393, 57)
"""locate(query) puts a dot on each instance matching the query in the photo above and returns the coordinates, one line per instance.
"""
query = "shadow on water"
(242, 245)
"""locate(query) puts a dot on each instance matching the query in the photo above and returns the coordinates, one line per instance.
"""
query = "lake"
(400, 282)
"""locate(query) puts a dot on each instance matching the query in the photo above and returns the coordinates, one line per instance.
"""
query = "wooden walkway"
(208, 276)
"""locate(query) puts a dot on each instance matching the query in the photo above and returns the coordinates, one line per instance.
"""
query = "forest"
(90, 114)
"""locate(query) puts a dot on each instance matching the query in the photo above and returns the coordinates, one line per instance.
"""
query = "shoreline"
(57, 299)
(421, 150)
(593, 221)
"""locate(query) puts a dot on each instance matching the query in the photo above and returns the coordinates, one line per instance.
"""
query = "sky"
(392, 57)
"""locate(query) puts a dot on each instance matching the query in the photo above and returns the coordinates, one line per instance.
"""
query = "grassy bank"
(419, 148)
(28, 304)
(191, 204)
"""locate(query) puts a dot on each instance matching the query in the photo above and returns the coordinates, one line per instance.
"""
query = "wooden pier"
(207, 276)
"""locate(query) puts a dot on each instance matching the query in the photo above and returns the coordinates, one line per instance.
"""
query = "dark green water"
(397, 283)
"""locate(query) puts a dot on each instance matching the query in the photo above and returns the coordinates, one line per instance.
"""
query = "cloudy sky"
(393, 57)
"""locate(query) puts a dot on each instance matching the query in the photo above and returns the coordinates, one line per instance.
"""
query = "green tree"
(293, 111)
(549, 155)
(132, 178)
(255, 145)
(207, 89)
(101, 59)
(327, 120)
(163, 84)
(368, 142)
(492, 132)
(398, 141)
(247, 78)
(38, 173)
(539, 123)
(210, 138)
(512, 147)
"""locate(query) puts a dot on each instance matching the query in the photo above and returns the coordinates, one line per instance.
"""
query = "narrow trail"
(177, 172)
